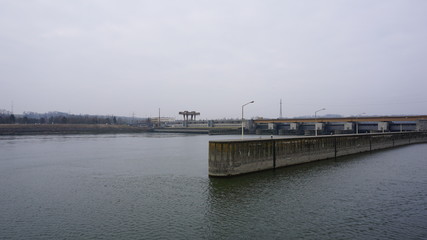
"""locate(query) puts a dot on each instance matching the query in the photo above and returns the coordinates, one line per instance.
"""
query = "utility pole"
(281, 108)
(243, 116)
(315, 119)
(159, 117)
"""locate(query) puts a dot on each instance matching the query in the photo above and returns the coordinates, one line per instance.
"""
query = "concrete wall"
(234, 157)
(422, 125)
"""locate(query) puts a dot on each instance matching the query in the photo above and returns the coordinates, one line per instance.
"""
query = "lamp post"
(315, 119)
(357, 123)
(242, 115)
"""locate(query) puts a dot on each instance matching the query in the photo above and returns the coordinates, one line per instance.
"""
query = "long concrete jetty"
(235, 157)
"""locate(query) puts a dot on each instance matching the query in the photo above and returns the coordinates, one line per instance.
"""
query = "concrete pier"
(235, 157)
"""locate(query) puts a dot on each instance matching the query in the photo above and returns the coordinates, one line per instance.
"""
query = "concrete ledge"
(181, 130)
(234, 157)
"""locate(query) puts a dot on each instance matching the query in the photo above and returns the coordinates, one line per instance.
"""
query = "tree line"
(65, 118)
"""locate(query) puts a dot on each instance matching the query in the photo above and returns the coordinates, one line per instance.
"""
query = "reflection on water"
(155, 186)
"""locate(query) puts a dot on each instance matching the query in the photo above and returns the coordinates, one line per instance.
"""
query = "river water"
(156, 186)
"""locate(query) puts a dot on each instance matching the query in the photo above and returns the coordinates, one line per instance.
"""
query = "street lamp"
(242, 115)
(315, 119)
(357, 123)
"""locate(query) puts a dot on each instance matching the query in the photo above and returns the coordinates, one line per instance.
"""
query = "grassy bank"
(29, 129)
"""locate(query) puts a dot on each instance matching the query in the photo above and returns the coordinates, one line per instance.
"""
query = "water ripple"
(80, 188)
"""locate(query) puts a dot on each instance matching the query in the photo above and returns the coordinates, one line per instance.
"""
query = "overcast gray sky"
(133, 56)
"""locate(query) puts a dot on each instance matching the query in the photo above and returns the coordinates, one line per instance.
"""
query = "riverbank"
(206, 130)
(34, 129)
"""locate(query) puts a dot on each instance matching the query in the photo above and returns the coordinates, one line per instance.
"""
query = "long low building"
(309, 126)
(346, 119)
(304, 126)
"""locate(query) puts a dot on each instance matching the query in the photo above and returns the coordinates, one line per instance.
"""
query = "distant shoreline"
(39, 129)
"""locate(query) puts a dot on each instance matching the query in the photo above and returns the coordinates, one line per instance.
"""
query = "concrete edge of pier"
(241, 156)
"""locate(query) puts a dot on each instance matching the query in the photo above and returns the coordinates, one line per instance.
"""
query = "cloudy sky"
(134, 56)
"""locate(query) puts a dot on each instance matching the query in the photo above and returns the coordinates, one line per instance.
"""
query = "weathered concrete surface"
(234, 157)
